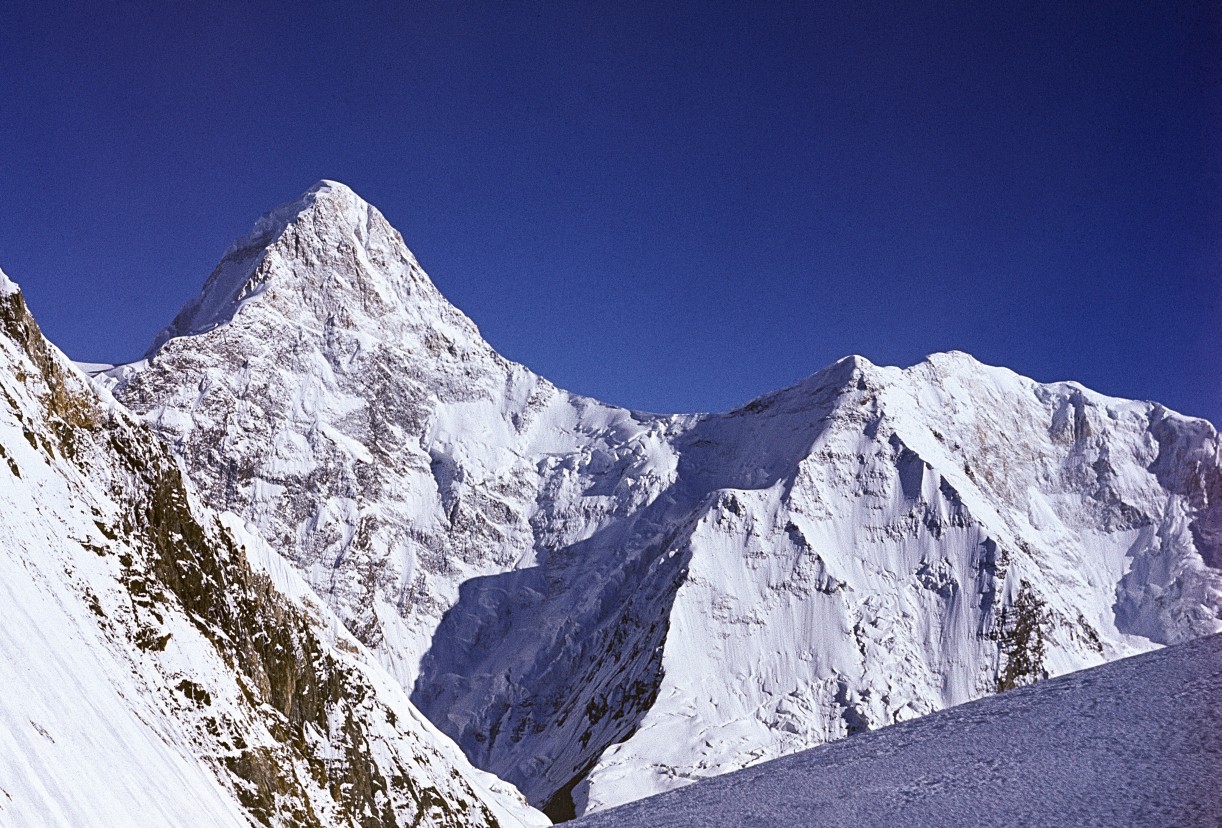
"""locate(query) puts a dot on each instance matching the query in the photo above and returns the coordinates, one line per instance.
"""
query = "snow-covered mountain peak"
(846, 370)
(328, 187)
(596, 603)
(331, 196)
(857, 372)
(843, 374)
(960, 370)
(332, 207)
(327, 254)
(952, 358)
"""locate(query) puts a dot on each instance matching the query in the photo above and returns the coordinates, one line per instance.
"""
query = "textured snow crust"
(1135, 742)
(599, 604)
(163, 666)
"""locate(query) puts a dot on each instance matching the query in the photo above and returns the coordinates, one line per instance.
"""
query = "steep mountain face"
(598, 604)
(160, 665)
(327, 393)
(947, 531)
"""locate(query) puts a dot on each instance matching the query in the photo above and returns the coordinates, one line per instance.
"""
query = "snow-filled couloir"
(599, 604)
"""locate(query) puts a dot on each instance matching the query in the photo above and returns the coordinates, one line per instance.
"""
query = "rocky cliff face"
(161, 665)
(598, 604)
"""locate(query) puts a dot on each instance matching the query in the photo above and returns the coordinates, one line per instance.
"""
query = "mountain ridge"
(557, 579)
(161, 664)
(229, 288)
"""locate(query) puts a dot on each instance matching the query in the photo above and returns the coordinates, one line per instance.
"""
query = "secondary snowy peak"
(322, 254)
(597, 604)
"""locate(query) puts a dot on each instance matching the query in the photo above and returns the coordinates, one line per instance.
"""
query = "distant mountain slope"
(1133, 743)
(161, 666)
(599, 604)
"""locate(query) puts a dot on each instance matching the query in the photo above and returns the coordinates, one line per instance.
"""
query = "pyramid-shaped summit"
(327, 250)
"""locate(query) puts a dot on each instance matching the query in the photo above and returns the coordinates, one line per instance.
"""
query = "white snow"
(571, 589)
(92, 368)
(7, 286)
(96, 727)
(242, 274)
(84, 740)
(1135, 742)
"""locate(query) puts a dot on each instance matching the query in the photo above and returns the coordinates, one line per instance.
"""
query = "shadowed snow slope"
(159, 665)
(599, 604)
(1132, 743)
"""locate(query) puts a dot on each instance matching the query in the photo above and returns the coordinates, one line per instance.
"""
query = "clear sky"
(669, 206)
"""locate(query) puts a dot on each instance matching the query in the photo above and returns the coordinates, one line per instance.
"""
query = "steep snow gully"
(599, 604)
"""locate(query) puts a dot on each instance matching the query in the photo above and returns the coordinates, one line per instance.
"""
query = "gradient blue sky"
(668, 206)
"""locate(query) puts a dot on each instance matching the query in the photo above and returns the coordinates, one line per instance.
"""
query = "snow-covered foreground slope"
(599, 604)
(1132, 743)
(160, 665)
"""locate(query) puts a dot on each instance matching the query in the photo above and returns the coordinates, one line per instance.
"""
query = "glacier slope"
(161, 666)
(598, 604)
(1135, 742)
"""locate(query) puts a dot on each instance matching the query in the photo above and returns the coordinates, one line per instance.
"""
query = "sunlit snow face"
(676, 596)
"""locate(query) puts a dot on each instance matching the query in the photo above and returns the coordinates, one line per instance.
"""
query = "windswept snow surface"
(161, 666)
(1134, 743)
(599, 604)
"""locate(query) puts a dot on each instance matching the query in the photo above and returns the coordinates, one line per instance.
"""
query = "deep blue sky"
(668, 206)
